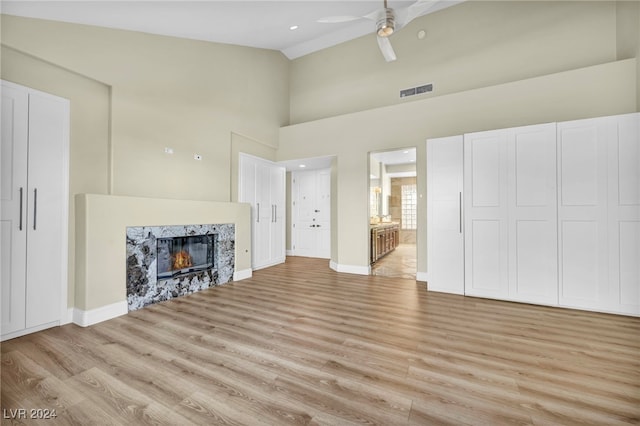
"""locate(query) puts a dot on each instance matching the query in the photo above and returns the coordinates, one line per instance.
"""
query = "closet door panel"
(47, 131)
(582, 213)
(532, 214)
(486, 214)
(629, 279)
(535, 277)
(580, 261)
(486, 167)
(277, 176)
(624, 214)
(13, 192)
(445, 241)
(580, 168)
(487, 260)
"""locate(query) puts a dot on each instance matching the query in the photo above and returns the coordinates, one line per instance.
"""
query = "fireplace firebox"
(177, 256)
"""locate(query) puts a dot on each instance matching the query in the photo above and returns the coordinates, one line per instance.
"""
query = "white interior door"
(311, 193)
(304, 224)
(445, 241)
(532, 213)
(13, 195)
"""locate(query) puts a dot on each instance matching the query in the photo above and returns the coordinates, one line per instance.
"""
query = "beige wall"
(472, 45)
(134, 94)
(101, 238)
(167, 92)
(555, 97)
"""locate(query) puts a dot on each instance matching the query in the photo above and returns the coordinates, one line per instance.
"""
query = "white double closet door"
(34, 209)
(511, 214)
(262, 184)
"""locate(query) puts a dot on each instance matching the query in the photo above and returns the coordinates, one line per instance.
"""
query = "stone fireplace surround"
(143, 286)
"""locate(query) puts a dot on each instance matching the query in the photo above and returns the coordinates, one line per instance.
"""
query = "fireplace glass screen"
(183, 255)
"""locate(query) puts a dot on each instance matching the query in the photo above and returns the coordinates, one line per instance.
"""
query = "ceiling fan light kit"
(387, 24)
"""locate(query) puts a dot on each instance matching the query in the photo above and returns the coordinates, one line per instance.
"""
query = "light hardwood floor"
(301, 344)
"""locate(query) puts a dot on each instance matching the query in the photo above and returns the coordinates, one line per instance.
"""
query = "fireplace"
(165, 262)
(177, 256)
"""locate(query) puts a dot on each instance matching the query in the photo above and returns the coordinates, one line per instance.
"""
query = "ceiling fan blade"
(408, 14)
(338, 19)
(387, 50)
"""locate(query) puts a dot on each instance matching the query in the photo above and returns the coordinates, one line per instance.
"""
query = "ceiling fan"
(388, 21)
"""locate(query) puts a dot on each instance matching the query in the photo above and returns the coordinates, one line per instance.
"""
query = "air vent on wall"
(416, 90)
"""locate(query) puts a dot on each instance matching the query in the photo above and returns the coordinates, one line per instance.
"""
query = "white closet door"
(582, 212)
(48, 129)
(532, 214)
(486, 212)
(624, 214)
(13, 193)
(262, 235)
(445, 240)
(277, 205)
(262, 184)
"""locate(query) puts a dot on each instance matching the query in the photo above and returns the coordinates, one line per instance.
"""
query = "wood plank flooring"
(300, 344)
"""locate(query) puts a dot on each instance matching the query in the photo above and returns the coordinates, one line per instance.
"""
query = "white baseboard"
(94, 316)
(422, 276)
(290, 253)
(350, 269)
(242, 275)
(30, 330)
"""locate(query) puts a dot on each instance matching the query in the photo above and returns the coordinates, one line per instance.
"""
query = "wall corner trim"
(103, 313)
(422, 276)
(350, 269)
(242, 275)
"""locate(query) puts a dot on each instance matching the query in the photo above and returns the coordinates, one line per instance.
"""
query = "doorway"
(393, 213)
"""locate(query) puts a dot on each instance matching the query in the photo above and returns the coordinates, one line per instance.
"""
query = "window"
(409, 211)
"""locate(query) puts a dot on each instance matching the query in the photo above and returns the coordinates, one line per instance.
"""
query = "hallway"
(400, 263)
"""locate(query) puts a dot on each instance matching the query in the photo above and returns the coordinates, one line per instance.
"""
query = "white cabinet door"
(532, 214)
(582, 212)
(13, 193)
(445, 241)
(486, 210)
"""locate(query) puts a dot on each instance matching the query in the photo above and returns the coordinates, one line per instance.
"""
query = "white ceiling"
(262, 24)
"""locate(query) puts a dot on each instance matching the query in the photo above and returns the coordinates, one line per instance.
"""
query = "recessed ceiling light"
(405, 152)
(293, 27)
(302, 166)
